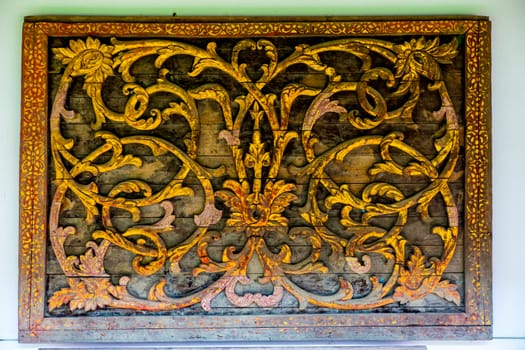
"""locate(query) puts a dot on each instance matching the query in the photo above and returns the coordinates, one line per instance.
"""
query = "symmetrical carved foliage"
(257, 200)
(260, 179)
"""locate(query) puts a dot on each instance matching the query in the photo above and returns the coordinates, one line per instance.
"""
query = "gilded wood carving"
(240, 169)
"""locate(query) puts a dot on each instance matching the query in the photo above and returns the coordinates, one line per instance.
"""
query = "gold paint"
(257, 199)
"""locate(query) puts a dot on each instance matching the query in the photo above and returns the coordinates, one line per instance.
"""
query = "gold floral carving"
(257, 201)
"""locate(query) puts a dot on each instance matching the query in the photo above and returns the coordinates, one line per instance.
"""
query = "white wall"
(508, 43)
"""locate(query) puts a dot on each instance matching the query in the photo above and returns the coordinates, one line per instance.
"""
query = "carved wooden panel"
(292, 179)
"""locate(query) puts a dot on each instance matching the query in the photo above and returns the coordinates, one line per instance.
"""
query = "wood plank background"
(213, 152)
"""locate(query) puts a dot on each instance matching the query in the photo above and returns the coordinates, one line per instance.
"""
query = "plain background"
(508, 136)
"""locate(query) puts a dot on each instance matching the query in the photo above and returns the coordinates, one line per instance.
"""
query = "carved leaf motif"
(343, 196)
(257, 198)
(448, 291)
(207, 60)
(321, 106)
(303, 54)
(236, 200)
(279, 195)
(422, 56)
(257, 155)
(84, 294)
(385, 190)
(89, 58)
(270, 204)
(414, 275)
(62, 297)
(445, 53)
(446, 234)
(290, 92)
(92, 261)
(271, 52)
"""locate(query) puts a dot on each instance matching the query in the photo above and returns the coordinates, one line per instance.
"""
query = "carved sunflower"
(423, 57)
(90, 59)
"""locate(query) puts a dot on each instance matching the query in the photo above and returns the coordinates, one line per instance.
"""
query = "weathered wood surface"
(266, 175)
(419, 130)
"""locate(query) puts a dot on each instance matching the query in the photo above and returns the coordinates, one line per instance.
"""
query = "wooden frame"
(368, 120)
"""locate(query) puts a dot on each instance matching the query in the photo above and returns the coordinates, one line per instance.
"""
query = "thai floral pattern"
(258, 202)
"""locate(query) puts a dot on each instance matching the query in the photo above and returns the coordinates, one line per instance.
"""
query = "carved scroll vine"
(257, 199)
